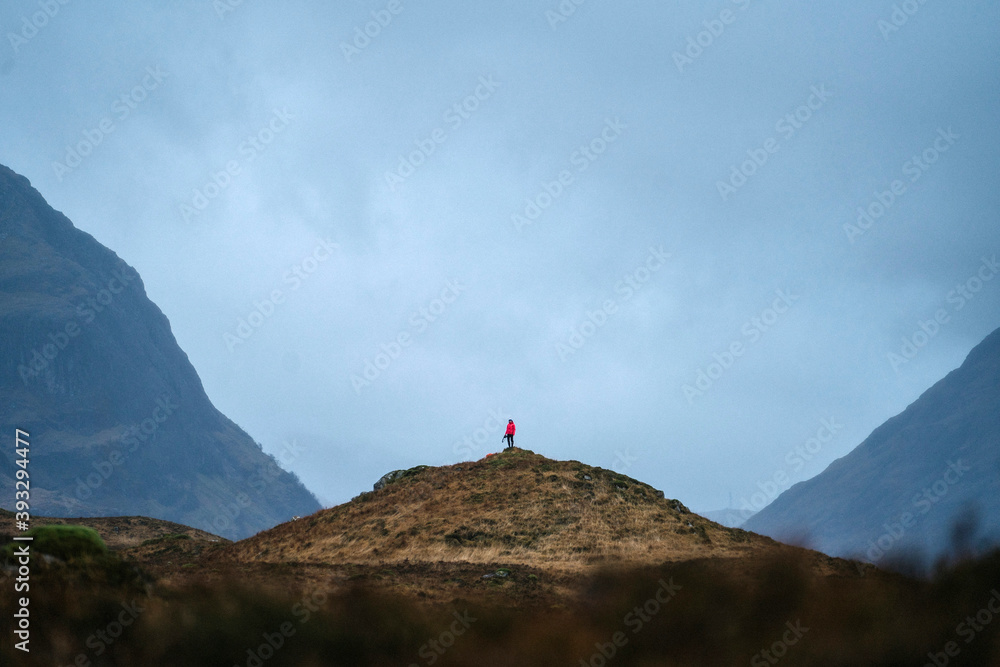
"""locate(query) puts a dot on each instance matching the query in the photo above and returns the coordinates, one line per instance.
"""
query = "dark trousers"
(510, 439)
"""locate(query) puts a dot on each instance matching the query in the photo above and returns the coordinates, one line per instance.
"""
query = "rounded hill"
(515, 506)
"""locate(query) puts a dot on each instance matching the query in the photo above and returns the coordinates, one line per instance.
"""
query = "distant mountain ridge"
(118, 419)
(926, 481)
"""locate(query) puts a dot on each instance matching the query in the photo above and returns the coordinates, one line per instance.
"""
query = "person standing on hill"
(509, 436)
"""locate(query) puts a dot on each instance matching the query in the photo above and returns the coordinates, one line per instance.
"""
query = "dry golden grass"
(514, 507)
(391, 571)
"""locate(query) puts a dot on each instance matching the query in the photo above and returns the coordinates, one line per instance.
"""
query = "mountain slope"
(515, 506)
(118, 419)
(907, 485)
(732, 518)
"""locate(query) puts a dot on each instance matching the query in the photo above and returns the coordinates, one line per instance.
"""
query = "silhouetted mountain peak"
(119, 419)
(929, 469)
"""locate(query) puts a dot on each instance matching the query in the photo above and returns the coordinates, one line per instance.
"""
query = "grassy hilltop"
(512, 560)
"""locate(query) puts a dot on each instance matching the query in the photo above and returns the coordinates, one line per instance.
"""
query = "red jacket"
(510, 428)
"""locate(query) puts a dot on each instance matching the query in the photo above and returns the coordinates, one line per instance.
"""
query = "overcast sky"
(560, 216)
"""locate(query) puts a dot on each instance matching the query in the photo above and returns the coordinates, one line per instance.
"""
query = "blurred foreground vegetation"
(94, 609)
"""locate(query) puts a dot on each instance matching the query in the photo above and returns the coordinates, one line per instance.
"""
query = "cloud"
(351, 120)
